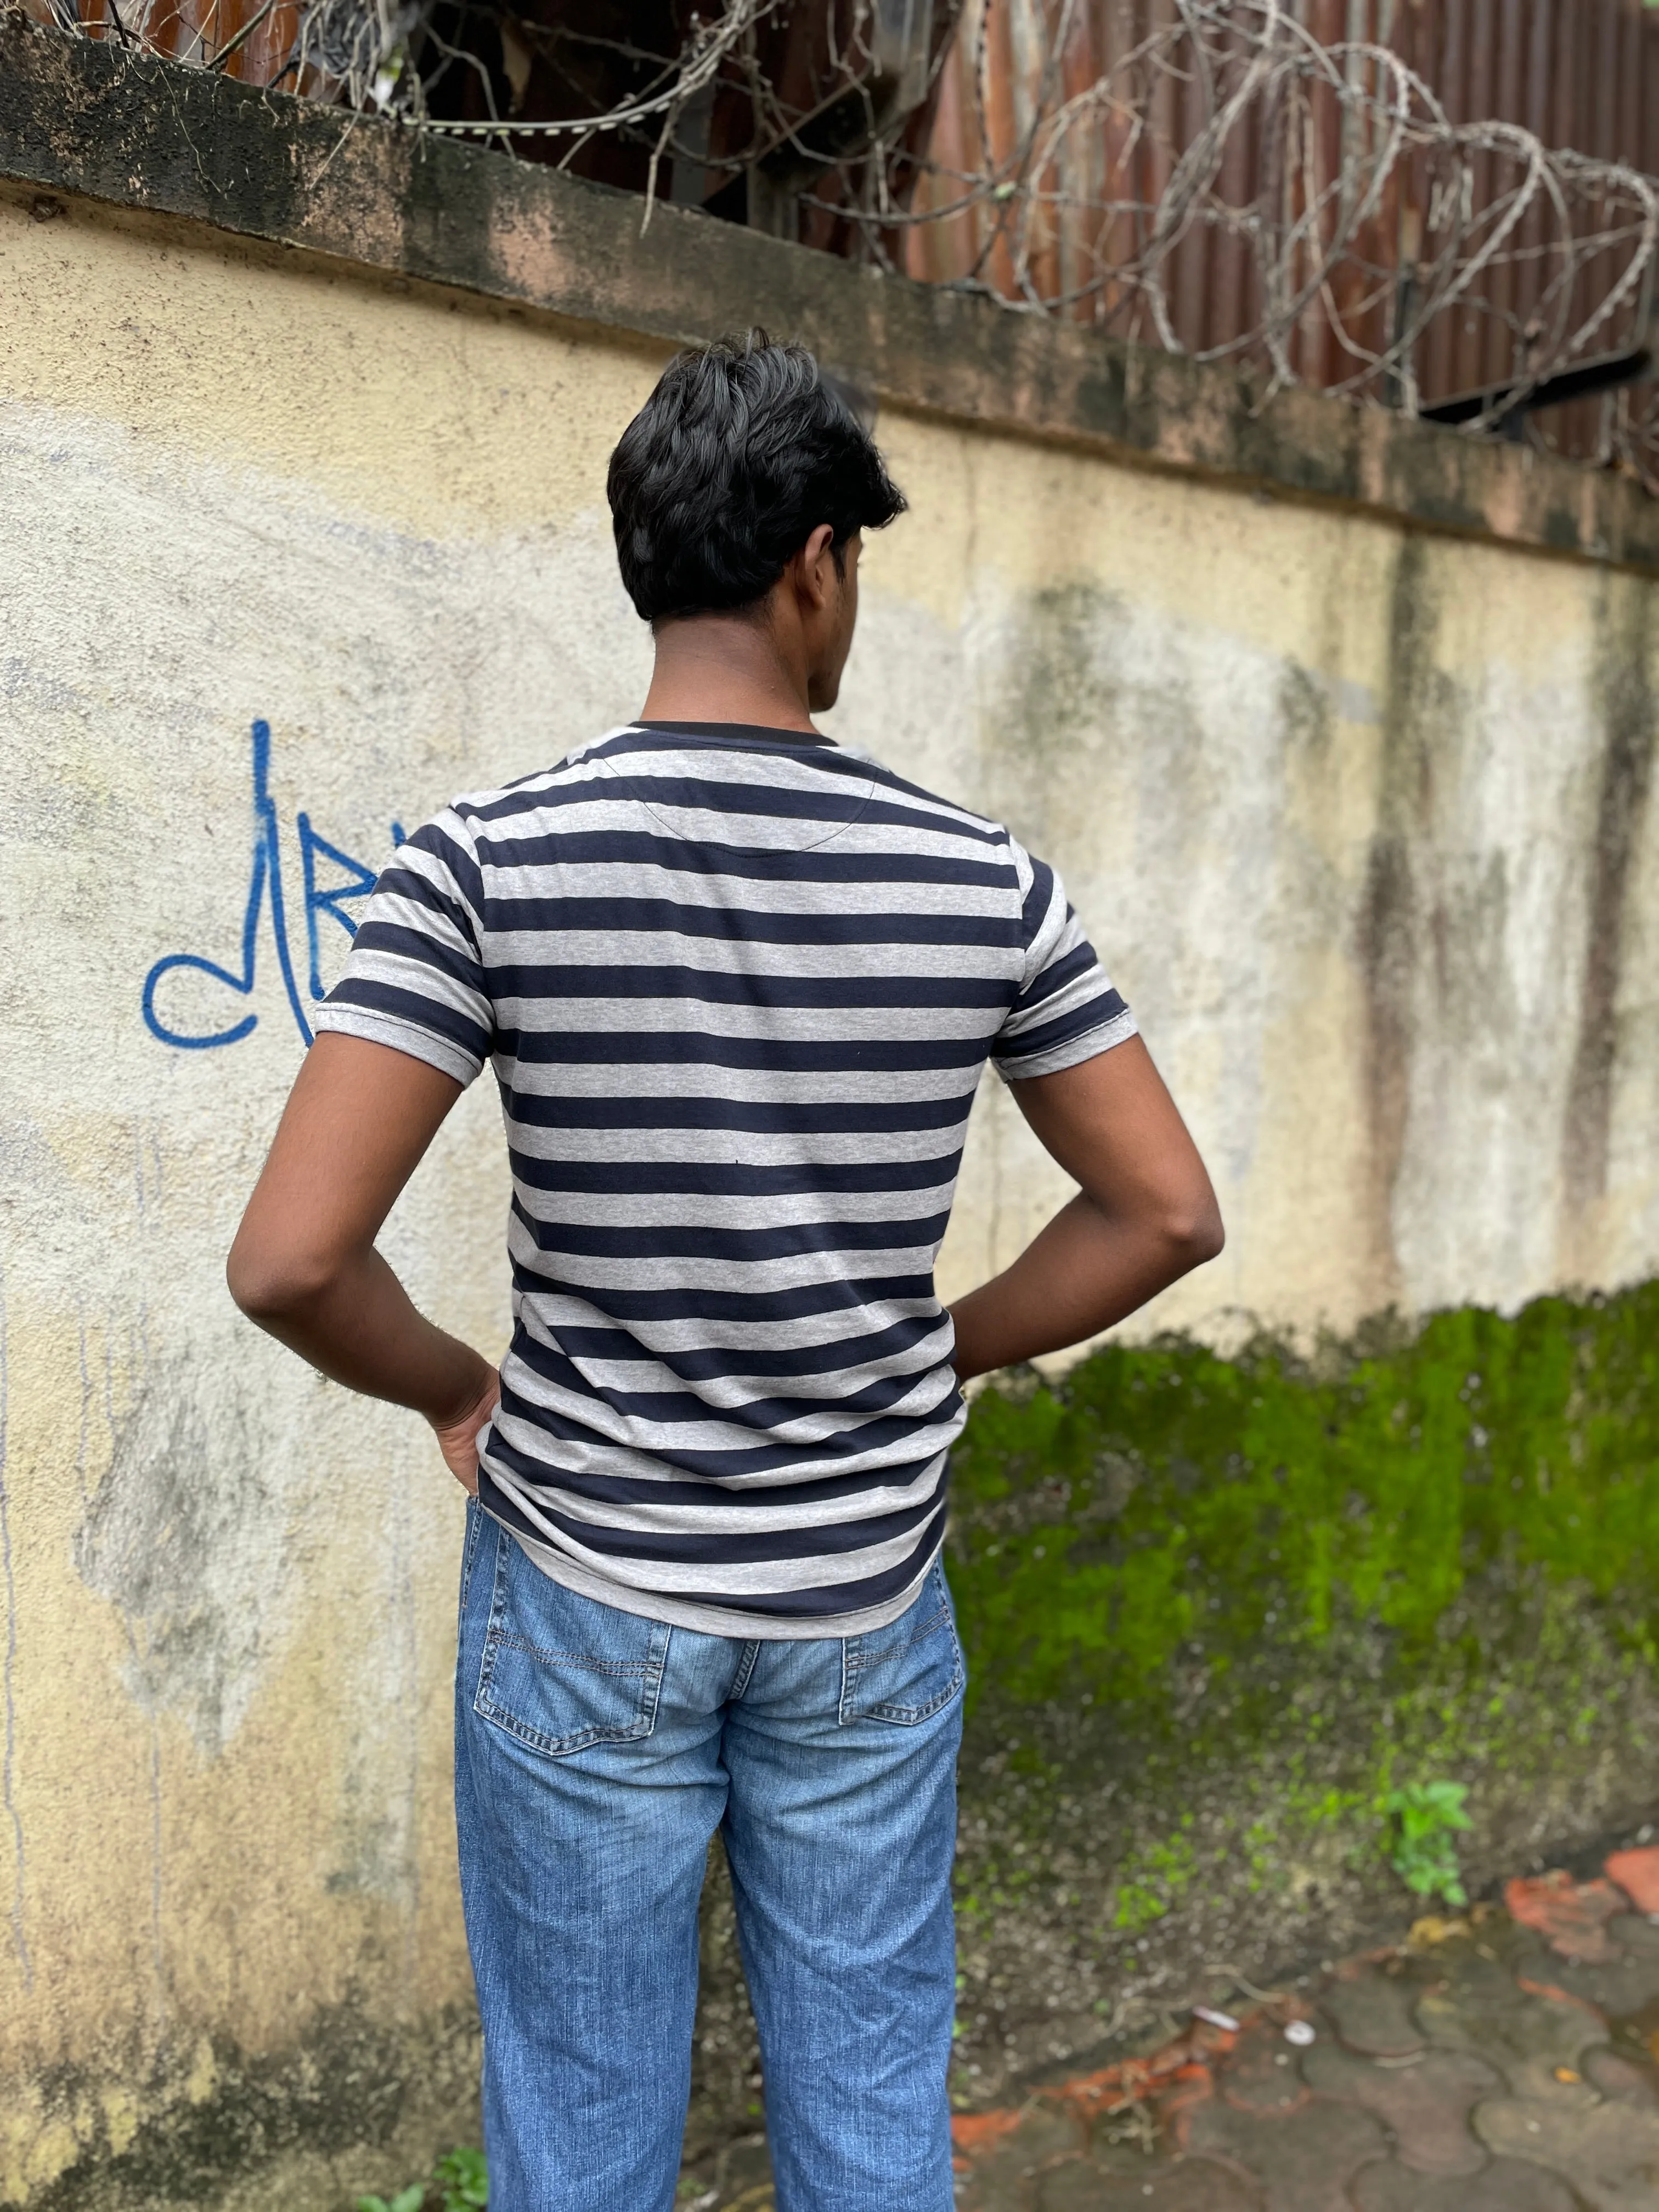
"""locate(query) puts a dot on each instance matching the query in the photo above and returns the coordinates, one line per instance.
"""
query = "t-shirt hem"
(401, 1037)
(1074, 1052)
(717, 1619)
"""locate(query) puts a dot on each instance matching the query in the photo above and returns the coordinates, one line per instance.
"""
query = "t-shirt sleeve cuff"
(1073, 1052)
(403, 1037)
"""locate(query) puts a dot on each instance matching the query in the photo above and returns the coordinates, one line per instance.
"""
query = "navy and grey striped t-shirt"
(737, 986)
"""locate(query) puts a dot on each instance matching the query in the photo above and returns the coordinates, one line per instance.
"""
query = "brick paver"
(1503, 2185)
(1503, 2061)
(1424, 2104)
(1609, 2152)
(1637, 1872)
(1572, 1915)
(1303, 2164)
(1261, 2075)
(1626, 1984)
(1194, 2185)
(1371, 2006)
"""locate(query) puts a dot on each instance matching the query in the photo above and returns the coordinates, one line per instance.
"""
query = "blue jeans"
(596, 1752)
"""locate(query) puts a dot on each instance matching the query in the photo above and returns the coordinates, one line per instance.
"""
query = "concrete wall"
(1356, 812)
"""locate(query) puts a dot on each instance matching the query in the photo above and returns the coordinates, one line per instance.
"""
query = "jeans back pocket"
(909, 1670)
(561, 1671)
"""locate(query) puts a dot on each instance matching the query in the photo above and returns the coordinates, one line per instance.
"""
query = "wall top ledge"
(82, 119)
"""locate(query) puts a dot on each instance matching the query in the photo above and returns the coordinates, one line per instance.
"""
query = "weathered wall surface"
(1357, 813)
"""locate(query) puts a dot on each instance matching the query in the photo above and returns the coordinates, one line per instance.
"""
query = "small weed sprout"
(1425, 1818)
(460, 2177)
(464, 2180)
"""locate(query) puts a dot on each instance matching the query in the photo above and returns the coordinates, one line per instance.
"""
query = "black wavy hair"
(744, 449)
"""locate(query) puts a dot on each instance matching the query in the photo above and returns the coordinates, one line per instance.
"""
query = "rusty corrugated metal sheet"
(1578, 73)
(251, 39)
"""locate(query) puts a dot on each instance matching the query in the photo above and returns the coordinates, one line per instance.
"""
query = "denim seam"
(746, 1669)
(896, 1650)
(481, 1685)
(592, 1664)
(849, 1679)
(474, 1520)
(493, 1630)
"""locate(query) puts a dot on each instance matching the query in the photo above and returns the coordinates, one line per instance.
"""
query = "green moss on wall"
(1161, 1498)
(1217, 1610)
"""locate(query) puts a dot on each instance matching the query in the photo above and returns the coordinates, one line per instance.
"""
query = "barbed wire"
(1227, 185)
(1203, 175)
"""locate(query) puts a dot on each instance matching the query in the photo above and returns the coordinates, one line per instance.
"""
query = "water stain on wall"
(188, 1536)
(1623, 691)
(355, 2101)
(1054, 703)
(1398, 921)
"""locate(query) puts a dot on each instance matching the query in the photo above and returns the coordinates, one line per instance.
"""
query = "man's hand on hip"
(457, 1440)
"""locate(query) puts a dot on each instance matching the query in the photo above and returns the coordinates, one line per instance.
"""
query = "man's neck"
(725, 668)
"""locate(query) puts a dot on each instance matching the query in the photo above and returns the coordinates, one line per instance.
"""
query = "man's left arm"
(304, 1265)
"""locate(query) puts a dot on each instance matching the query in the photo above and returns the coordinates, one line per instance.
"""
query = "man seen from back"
(737, 984)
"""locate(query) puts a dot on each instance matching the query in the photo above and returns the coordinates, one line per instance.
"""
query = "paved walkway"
(1503, 2061)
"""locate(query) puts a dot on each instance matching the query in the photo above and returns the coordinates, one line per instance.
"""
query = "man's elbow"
(1193, 1232)
(272, 1286)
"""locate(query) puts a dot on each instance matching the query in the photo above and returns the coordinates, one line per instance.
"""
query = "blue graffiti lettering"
(264, 895)
(361, 883)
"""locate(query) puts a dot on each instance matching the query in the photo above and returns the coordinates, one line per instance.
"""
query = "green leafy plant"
(1424, 1819)
(464, 2179)
(460, 2175)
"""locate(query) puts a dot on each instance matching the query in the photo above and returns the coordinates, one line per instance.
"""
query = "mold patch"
(188, 1536)
(374, 2102)
(1625, 702)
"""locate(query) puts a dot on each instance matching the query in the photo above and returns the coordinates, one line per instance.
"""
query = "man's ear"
(816, 551)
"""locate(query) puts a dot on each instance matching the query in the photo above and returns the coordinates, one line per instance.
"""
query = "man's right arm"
(304, 1265)
(1145, 1215)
